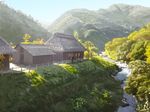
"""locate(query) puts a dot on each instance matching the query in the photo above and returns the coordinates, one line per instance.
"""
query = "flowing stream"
(122, 76)
(130, 99)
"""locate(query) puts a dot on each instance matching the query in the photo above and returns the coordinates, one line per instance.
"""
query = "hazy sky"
(46, 11)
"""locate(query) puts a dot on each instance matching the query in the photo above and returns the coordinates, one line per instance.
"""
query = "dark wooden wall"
(42, 59)
(74, 55)
(23, 57)
(60, 56)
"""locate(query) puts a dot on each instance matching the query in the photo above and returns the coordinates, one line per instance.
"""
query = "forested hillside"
(104, 24)
(135, 50)
(134, 47)
(81, 87)
(14, 24)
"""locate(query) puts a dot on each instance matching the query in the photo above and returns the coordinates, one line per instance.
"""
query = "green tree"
(138, 84)
(26, 39)
(148, 54)
(138, 50)
(91, 49)
(111, 47)
(76, 35)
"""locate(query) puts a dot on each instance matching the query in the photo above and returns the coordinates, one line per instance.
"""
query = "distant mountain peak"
(126, 6)
(104, 24)
(121, 5)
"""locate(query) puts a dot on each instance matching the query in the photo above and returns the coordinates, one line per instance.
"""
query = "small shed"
(31, 54)
(66, 47)
(5, 52)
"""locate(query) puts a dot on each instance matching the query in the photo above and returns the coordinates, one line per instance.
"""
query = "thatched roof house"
(66, 47)
(5, 50)
(64, 43)
(58, 48)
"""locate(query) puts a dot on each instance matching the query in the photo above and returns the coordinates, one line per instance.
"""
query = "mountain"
(14, 24)
(104, 24)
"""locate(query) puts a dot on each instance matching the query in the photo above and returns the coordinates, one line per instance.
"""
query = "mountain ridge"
(14, 24)
(116, 21)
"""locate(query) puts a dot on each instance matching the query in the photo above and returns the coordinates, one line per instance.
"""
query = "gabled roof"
(5, 48)
(64, 43)
(37, 50)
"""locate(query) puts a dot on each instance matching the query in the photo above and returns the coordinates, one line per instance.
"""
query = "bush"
(80, 87)
(105, 65)
(138, 83)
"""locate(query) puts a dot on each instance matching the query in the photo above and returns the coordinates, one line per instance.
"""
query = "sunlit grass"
(35, 78)
(69, 68)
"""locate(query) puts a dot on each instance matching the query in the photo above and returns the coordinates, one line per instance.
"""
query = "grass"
(80, 87)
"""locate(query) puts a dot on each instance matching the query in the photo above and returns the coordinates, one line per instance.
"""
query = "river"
(122, 76)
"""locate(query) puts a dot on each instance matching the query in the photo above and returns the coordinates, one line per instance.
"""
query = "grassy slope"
(14, 24)
(80, 87)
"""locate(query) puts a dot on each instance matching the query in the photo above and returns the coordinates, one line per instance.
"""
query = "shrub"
(61, 88)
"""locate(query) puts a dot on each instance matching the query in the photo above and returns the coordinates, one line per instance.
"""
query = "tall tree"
(91, 49)
(76, 35)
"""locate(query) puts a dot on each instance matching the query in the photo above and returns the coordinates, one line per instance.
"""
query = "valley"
(85, 61)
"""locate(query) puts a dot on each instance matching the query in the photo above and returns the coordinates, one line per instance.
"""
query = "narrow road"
(122, 76)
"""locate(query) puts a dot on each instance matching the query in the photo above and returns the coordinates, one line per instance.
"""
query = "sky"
(47, 11)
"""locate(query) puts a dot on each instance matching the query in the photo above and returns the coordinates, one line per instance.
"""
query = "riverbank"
(130, 99)
(122, 76)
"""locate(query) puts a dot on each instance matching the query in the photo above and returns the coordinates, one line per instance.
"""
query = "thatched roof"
(37, 50)
(64, 43)
(5, 48)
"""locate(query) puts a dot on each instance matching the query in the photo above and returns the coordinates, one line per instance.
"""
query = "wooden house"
(29, 54)
(66, 47)
(5, 52)
(58, 48)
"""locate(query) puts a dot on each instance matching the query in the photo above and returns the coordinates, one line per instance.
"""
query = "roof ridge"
(6, 48)
(58, 33)
(62, 35)
(33, 44)
(4, 41)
